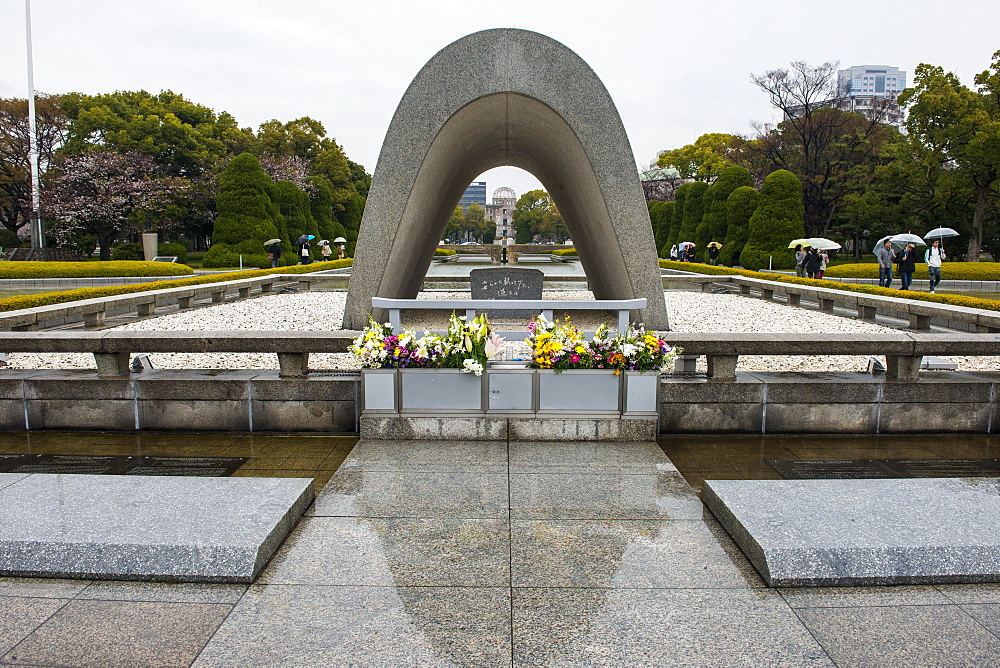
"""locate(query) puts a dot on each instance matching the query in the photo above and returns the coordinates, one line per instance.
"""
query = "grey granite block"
(857, 532)
(841, 418)
(81, 414)
(695, 418)
(12, 414)
(120, 633)
(626, 628)
(376, 627)
(194, 415)
(901, 418)
(428, 456)
(435, 428)
(910, 635)
(588, 457)
(146, 527)
(602, 496)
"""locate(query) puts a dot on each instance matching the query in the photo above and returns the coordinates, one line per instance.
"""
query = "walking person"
(933, 257)
(813, 263)
(713, 255)
(885, 256)
(304, 255)
(690, 254)
(274, 254)
(326, 251)
(907, 261)
(824, 260)
(800, 258)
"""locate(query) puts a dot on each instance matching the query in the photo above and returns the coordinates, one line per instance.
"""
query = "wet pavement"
(499, 554)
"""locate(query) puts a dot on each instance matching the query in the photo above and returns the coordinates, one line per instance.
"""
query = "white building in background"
(865, 87)
(501, 213)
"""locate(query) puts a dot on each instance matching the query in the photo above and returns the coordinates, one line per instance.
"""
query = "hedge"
(439, 252)
(957, 271)
(47, 298)
(952, 300)
(565, 251)
(91, 269)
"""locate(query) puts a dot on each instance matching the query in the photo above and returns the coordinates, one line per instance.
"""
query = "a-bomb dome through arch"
(494, 98)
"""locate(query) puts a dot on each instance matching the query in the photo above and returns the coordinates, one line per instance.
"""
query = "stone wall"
(260, 401)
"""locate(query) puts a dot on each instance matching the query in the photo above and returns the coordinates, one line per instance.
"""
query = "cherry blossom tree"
(101, 192)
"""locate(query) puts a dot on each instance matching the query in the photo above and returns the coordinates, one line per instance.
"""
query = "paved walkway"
(497, 554)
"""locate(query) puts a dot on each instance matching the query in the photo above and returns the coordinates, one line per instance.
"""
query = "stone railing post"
(722, 367)
(903, 367)
(112, 365)
(293, 365)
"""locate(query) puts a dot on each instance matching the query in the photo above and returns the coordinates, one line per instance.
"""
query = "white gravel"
(322, 311)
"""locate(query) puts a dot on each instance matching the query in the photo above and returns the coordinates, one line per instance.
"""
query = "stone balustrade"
(92, 312)
(919, 313)
(112, 348)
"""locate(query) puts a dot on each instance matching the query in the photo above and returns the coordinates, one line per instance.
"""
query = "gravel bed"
(322, 311)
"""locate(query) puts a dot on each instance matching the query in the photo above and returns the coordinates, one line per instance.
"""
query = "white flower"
(472, 365)
(629, 350)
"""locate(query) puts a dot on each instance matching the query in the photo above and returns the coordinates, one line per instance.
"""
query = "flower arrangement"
(560, 346)
(465, 345)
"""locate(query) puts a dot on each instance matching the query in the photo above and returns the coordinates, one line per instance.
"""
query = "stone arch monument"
(494, 98)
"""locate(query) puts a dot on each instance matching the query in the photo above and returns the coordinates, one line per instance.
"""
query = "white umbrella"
(903, 239)
(940, 233)
(819, 243)
(685, 244)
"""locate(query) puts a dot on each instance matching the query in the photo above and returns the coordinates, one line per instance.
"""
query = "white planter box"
(579, 391)
(641, 393)
(541, 392)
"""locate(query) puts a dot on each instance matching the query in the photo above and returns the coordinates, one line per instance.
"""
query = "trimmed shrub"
(694, 208)
(439, 252)
(127, 252)
(565, 251)
(169, 248)
(247, 215)
(953, 300)
(666, 227)
(778, 219)
(957, 271)
(714, 222)
(677, 215)
(91, 269)
(740, 206)
(46, 298)
(9, 239)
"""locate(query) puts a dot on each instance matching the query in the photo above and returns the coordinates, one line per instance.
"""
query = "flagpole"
(35, 220)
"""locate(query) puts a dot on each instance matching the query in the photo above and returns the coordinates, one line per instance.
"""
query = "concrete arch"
(494, 98)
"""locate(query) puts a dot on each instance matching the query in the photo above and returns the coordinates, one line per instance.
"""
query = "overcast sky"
(675, 69)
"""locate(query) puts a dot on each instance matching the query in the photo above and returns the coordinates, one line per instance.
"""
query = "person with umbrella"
(713, 253)
(907, 261)
(885, 256)
(814, 264)
(305, 257)
(273, 247)
(800, 260)
(933, 257)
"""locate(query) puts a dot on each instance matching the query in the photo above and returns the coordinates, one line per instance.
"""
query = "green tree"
(777, 220)
(456, 224)
(740, 206)
(183, 137)
(354, 210)
(476, 224)
(51, 124)
(954, 134)
(677, 216)
(664, 226)
(247, 215)
(296, 211)
(713, 222)
(694, 208)
(703, 160)
(535, 215)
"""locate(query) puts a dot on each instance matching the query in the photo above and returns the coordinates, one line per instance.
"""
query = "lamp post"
(35, 218)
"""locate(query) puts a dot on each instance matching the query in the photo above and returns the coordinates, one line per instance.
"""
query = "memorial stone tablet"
(506, 283)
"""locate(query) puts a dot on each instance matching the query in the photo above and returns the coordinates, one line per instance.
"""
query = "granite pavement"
(499, 554)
